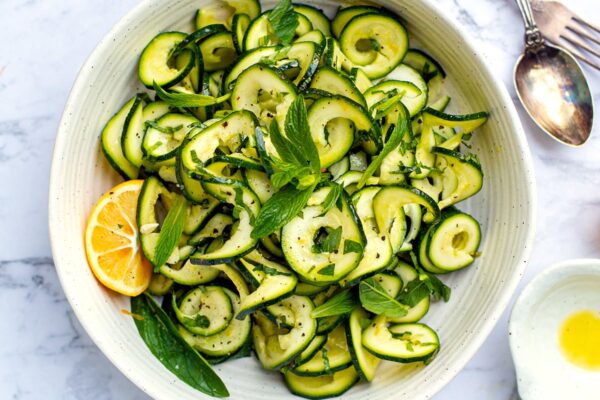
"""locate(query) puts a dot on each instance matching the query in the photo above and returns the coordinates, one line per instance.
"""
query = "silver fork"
(564, 28)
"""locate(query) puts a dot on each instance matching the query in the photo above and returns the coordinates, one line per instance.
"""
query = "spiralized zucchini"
(347, 278)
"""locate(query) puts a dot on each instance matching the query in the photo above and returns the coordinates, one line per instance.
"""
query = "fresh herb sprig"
(401, 127)
(170, 232)
(298, 171)
(342, 303)
(375, 299)
(284, 21)
(188, 99)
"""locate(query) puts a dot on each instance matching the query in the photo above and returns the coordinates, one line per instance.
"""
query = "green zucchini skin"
(111, 139)
(230, 293)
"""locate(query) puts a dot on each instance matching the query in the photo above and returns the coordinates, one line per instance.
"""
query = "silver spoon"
(552, 87)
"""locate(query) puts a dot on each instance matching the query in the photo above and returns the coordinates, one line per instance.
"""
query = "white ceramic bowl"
(555, 294)
(480, 293)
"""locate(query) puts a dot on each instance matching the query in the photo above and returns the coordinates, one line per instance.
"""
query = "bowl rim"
(487, 325)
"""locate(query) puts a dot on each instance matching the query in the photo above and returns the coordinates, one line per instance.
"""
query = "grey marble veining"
(44, 352)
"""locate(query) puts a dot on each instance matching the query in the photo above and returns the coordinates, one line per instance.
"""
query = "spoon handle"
(533, 37)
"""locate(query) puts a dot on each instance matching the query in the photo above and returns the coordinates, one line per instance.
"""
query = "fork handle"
(533, 37)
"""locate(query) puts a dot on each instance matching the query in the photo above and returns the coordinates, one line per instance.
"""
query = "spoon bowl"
(555, 93)
(552, 86)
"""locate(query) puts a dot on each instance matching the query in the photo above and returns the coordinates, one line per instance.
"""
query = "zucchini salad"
(291, 192)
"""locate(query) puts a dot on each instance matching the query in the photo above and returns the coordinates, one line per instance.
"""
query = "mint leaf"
(280, 209)
(298, 133)
(342, 303)
(162, 338)
(328, 270)
(402, 126)
(170, 232)
(414, 291)
(284, 21)
(332, 197)
(375, 299)
(329, 241)
(350, 246)
(289, 153)
(187, 99)
(436, 287)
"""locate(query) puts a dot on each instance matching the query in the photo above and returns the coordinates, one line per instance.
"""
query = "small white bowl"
(506, 207)
(542, 371)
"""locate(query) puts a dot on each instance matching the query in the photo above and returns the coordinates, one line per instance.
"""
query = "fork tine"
(583, 33)
(575, 53)
(588, 24)
(580, 44)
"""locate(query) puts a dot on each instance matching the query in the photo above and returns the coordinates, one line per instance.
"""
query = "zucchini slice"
(408, 93)
(153, 195)
(265, 92)
(163, 138)
(334, 122)
(245, 61)
(273, 282)
(377, 252)
(306, 289)
(240, 242)
(308, 55)
(344, 15)
(390, 199)
(360, 79)
(298, 241)
(364, 362)
(133, 135)
(414, 216)
(426, 65)
(332, 81)
(424, 256)
(259, 182)
(214, 228)
(315, 345)
(160, 285)
(332, 357)
(403, 343)
(408, 274)
(189, 274)
(156, 65)
(314, 36)
(464, 170)
(111, 139)
(239, 26)
(218, 51)
(226, 342)
(321, 387)
(349, 181)
(333, 56)
(453, 242)
(375, 43)
(224, 11)
(204, 311)
(434, 120)
(275, 348)
(315, 16)
(230, 135)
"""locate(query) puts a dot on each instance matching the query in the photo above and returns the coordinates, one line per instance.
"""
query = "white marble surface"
(44, 353)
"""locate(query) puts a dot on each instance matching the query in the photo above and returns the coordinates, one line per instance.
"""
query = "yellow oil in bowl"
(579, 339)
